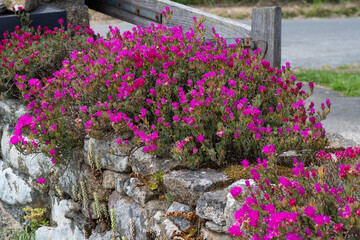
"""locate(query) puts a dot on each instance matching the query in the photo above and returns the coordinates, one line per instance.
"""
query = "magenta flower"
(26, 61)
(53, 160)
(61, 21)
(245, 163)
(41, 180)
(310, 211)
(200, 138)
(236, 191)
(235, 230)
(52, 152)
(14, 139)
(268, 149)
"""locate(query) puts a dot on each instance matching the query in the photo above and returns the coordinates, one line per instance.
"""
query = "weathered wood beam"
(266, 25)
(182, 15)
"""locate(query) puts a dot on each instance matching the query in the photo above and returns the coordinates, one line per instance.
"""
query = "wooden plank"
(182, 15)
(266, 25)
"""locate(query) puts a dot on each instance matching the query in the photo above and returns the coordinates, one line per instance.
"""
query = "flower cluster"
(319, 201)
(36, 53)
(177, 94)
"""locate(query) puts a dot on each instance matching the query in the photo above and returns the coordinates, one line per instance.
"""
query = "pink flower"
(268, 149)
(200, 138)
(235, 230)
(118, 141)
(338, 227)
(52, 152)
(245, 163)
(53, 160)
(139, 83)
(14, 139)
(41, 180)
(311, 85)
(270, 208)
(236, 191)
(25, 61)
(310, 211)
(61, 21)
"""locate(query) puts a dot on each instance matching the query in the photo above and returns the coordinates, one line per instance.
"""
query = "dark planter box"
(41, 16)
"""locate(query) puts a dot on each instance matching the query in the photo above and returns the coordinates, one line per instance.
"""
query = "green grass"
(344, 79)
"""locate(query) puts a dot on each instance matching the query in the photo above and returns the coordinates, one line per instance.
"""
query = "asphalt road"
(312, 43)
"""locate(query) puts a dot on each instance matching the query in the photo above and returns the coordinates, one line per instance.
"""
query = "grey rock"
(181, 222)
(59, 233)
(214, 227)
(33, 165)
(10, 112)
(154, 212)
(108, 161)
(211, 206)
(110, 177)
(336, 142)
(92, 185)
(59, 208)
(13, 189)
(153, 206)
(144, 164)
(141, 195)
(73, 172)
(127, 211)
(211, 235)
(287, 158)
(7, 222)
(120, 181)
(101, 236)
(187, 186)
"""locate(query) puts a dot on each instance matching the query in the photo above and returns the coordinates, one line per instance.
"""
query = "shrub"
(320, 201)
(36, 53)
(179, 95)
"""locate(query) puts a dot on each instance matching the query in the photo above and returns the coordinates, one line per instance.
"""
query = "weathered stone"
(233, 205)
(144, 164)
(211, 235)
(211, 206)
(59, 233)
(10, 112)
(287, 158)
(120, 181)
(28, 5)
(93, 186)
(141, 195)
(181, 222)
(108, 161)
(163, 228)
(153, 206)
(73, 172)
(108, 180)
(128, 213)
(101, 236)
(336, 142)
(59, 208)
(33, 165)
(9, 223)
(13, 189)
(214, 227)
(154, 226)
(187, 186)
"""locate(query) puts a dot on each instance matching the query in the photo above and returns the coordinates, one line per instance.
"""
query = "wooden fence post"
(266, 25)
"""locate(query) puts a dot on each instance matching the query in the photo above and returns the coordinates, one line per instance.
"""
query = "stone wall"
(140, 213)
